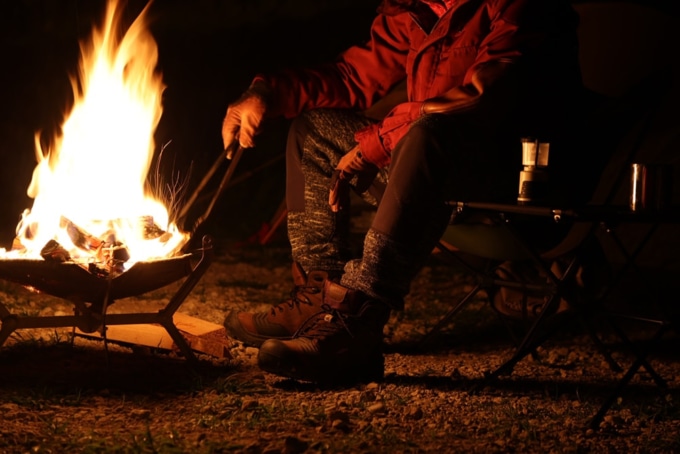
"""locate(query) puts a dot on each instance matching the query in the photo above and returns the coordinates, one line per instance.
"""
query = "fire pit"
(92, 295)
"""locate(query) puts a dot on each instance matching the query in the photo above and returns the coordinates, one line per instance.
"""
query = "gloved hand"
(244, 116)
(350, 165)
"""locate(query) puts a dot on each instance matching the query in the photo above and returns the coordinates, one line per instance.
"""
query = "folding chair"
(500, 233)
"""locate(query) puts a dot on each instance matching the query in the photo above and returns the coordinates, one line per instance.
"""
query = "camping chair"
(499, 234)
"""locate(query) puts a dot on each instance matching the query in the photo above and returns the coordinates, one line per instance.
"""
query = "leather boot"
(340, 345)
(284, 319)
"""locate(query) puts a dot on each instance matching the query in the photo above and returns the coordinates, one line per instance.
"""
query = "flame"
(94, 181)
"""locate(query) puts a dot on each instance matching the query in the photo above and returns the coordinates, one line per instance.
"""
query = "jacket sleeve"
(377, 140)
(360, 75)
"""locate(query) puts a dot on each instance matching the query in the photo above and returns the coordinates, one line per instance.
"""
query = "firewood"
(150, 229)
(80, 237)
(53, 251)
(17, 245)
(202, 336)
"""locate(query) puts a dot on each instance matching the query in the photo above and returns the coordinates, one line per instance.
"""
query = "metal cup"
(650, 187)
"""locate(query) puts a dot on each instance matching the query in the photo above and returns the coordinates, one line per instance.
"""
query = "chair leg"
(449, 315)
(512, 332)
(640, 361)
(601, 347)
(641, 355)
(529, 342)
(277, 221)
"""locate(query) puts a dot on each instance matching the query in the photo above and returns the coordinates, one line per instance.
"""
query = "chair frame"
(588, 221)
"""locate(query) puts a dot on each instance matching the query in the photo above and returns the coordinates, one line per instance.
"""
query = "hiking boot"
(340, 345)
(284, 319)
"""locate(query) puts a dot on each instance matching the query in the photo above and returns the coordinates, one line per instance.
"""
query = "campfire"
(98, 231)
(93, 204)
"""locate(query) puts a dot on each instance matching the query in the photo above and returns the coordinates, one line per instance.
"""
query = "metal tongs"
(231, 154)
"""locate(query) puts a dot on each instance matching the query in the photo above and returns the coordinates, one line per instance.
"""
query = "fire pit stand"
(92, 295)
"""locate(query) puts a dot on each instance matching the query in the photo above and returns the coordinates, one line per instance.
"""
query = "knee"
(420, 133)
(424, 141)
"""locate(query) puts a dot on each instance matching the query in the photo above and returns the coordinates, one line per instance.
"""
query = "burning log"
(17, 245)
(150, 230)
(80, 238)
(104, 254)
(53, 251)
(110, 254)
(114, 257)
(107, 248)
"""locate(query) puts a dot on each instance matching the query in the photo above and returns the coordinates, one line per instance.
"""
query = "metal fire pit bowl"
(71, 281)
(92, 294)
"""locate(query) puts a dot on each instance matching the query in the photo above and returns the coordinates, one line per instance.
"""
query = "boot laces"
(297, 296)
(327, 324)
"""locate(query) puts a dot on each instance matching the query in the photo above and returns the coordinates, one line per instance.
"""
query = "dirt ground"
(60, 393)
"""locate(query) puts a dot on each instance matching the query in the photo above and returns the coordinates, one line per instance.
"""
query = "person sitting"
(479, 76)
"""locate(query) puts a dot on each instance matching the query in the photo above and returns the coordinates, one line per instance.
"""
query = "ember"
(77, 214)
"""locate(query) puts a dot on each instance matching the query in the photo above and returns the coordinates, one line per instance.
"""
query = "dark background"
(210, 49)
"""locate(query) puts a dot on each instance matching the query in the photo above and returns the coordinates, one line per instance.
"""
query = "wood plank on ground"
(202, 336)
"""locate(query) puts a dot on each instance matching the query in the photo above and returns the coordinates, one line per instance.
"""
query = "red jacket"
(515, 61)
